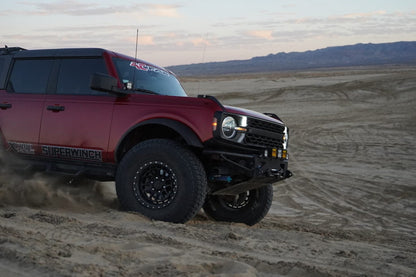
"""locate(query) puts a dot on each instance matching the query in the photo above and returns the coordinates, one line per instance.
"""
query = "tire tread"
(193, 164)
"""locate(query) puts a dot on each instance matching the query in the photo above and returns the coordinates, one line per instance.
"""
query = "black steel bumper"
(262, 171)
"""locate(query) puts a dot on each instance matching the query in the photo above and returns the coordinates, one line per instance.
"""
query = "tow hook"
(275, 172)
(280, 173)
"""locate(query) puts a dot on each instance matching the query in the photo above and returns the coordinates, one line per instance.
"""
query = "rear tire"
(162, 180)
(249, 207)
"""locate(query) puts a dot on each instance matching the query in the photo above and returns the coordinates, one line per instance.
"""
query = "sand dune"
(349, 209)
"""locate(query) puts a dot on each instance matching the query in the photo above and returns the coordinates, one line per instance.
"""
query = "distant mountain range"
(396, 53)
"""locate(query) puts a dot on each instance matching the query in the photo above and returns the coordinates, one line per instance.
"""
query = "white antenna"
(205, 42)
(137, 42)
(135, 58)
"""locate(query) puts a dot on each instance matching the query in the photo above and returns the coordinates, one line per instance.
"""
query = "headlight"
(228, 127)
(285, 138)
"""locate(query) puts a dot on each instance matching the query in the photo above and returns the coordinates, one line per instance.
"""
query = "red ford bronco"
(108, 116)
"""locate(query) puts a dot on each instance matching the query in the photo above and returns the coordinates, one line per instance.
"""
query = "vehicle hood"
(251, 113)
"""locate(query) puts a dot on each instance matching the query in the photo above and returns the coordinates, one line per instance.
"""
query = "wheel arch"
(156, 128)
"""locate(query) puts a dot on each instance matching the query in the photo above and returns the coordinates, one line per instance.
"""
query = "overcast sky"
(193, 31)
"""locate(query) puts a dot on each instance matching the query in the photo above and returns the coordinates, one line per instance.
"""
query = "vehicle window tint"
(2, 72)
(30, 76)
(146, 77)
(75, 75)
(1, 66)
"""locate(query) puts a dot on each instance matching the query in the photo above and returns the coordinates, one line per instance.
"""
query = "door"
(76, 119)
(22, 102)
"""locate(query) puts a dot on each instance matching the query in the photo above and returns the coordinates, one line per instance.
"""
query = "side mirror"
(105, 82)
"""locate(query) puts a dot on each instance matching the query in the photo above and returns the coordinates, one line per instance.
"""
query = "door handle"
(5, 106)
(56, 108)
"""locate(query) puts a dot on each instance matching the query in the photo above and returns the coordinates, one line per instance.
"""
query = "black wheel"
(162, 180)
(249, 207)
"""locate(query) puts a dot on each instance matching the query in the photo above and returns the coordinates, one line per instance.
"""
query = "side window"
(75, 75)
(30, 76)
(2, 72)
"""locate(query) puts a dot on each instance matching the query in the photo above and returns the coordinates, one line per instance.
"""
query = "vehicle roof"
(65, 52)
(9, 50)
(9, 53)
(76, 52)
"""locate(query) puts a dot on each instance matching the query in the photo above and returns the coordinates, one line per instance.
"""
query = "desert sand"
(349, 209)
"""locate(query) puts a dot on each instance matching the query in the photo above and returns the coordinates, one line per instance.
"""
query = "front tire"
(162, 180)
(249, 207)
(2, 151)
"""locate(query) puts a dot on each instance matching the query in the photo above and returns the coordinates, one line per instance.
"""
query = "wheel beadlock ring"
(238, 201)
(155, 185)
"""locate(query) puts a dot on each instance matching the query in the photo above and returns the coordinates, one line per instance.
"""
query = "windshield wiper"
(145, 91)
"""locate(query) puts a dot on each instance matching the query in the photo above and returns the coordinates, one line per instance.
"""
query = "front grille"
(257, 140)
(264, 125)
(264, 134)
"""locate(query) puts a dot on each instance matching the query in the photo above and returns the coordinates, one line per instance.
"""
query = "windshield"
(147, 78)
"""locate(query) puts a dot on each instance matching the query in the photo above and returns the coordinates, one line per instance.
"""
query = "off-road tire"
(3, 153)
(249, 207)
(162, 180)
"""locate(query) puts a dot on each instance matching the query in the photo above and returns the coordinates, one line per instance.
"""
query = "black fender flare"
(183, 130)
(186, 132)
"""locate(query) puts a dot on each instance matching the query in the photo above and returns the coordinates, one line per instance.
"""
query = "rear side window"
(75, 75)
(1, 66)
(30, 76)
(2, 72)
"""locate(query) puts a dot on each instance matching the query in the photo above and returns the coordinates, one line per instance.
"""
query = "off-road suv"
(108, 116)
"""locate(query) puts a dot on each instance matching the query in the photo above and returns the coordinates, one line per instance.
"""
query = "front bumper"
(256, 171)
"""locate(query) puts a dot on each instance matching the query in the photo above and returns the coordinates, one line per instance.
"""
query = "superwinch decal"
(72, 153)
(23, 148)
(146, 67)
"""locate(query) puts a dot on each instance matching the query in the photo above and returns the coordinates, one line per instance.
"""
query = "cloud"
(264, 34)
(78, 8)
(363, 15)
(70, 7)
(163, 10)
(200, 41)
(146, 40)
